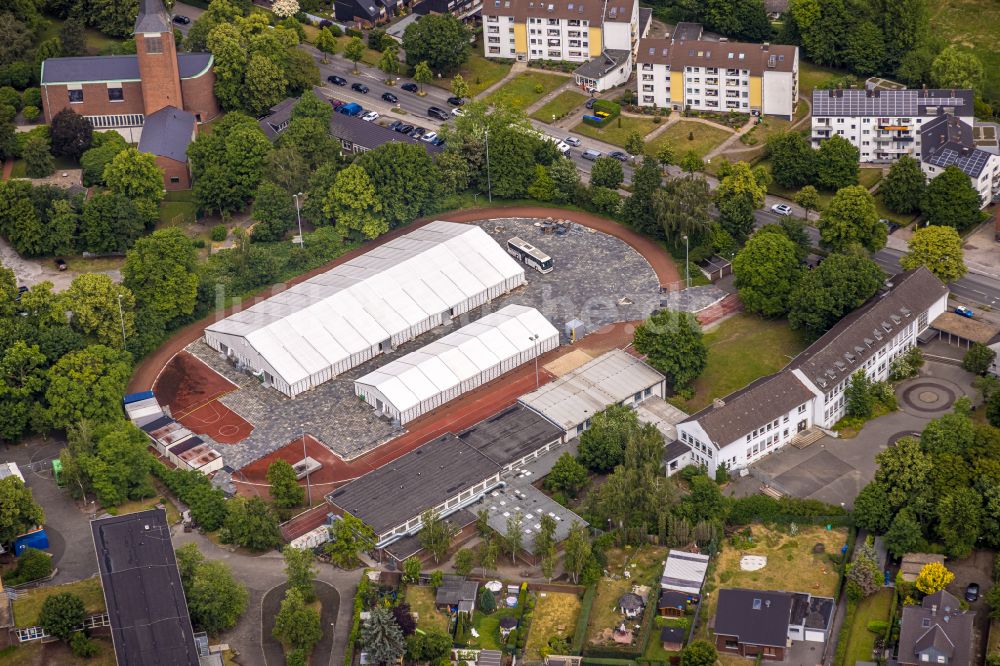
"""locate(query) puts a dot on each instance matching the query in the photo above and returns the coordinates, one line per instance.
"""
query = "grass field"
(642, 563)
(973, 25)
(79, 264)
(94, 41)
(173, 515)
(478, 72)
(561, 105)
(617, 132)
(28, 605)
(488, 627)
(730, 367)
(679, 137)
(55, 654)
(370, 56)
(813, 76)
(860, 641)
(521, 91)
(555, 615)
(421, 600)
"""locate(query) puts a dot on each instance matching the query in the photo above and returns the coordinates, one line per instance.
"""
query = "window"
(802, 408)
(175, 179)
(76, 96)
(154, 44)
(115, 94)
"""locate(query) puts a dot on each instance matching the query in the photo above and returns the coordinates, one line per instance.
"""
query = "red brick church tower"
(157, 55)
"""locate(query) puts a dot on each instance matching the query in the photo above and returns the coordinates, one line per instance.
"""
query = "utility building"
(461, 361)
(318, 328)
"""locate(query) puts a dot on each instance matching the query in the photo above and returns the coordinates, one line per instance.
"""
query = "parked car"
(360, 87)
(591, 154)
(437, 142)
(456, 101)
(180, 19)
(20, 292)
(572, 141)
(61, 264)
(620, 156)
(457, 112)
(370, 117)
(963, 311)
(337, 80)
(404, 128)
(590, 103)
(410, 87)
(972, 592)
(429, 137)
(336, 104)
(389, 97)
(889, 225)
(351, 109)
(781, 209)
(435, 112)
(418, 132)
(395, 124)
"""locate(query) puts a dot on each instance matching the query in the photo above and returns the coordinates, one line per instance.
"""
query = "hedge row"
(580, 634)
(352, 638)
(611, 108)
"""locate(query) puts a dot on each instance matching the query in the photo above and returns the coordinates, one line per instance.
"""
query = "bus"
(528, 254)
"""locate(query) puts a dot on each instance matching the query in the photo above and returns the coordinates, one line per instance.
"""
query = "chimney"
(933, 610)
(767, 45)
(718, 403)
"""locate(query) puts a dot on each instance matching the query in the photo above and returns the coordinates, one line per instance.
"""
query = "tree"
(20, 511)
(933, 577)
(430, 646)
(348, 537)
(766, 272)
(634, 145)
(22, 384)
(902, 470)
(837, 286)
(228, 163)
(836, 164)
(274, 212)
(487, 602)
(565, 178)
(951, 201)
(577, 551)
(38, 160)
(514, 537)
(543, 188)
(440, 40)
(285, 8)
(102, 310)
(61, 614)
(215, 599)
(382, 638)
(160, 271)
(740, 192)
(299, 625)
(939, 249)
(864, 575)
(673, 344)
(112, 222)
(567, 476)
(699, 653)
(87, 384)
(389, 61)
(487, 554)
(104, 147)
(859, 401)
(354, 51)
(404, 178)
(640, 207)
(607, 172)
(865, 50)
(957, 69)
(411, 569)
(602, 446)
(465, 560)
(401, 611)
(871, 509)
(903, 535)
(978, 359)
(808, 198)
(959, 516)
(71, 134)
(459, 88)
(135, 175)
(284, 487)
(436, 534)
(252, 524)
(852, 218)
(62, 227)
(422, 74)
(353, 203)
(300, 569)
(904, 187)
(264, 84)
(993, 409)
(793, 161)
(326, 43)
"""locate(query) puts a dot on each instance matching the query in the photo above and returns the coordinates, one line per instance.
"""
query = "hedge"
(602, 661)
(352, 638)
(611, 108)
(765, 509)
(580, 635)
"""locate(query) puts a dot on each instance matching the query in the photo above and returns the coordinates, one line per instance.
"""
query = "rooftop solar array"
(971, 164)
(894, 103)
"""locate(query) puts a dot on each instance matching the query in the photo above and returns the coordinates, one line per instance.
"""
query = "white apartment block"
(769, 413)
(685, 72)
(948, 141)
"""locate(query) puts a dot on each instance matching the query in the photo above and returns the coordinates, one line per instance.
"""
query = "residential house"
(685, 71)
(456, 594)
(937, 631)
(684, 573)
(630, 605)
(756, 623)
(947, 140)
(361, 13)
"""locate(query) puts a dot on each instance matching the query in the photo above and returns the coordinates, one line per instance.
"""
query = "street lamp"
(687, 272)
(121, 316)
(489, 184)
(298, 216)
(534, 342)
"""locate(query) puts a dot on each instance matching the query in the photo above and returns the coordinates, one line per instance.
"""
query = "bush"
(611, 108)
(219, 233)
(31, 113)
(878, 627)
(82, 646)
(31, 565)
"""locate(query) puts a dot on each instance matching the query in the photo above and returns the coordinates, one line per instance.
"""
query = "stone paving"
(598, 279)
(693, 299)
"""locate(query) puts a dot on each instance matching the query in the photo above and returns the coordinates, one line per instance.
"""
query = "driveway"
(270, 605)
(977, 568)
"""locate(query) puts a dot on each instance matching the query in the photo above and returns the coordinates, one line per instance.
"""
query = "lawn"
(29, 604)
(94, 41)
(55, 654)
(521, 91)
(867, 177)
(173, 515)
(975, 25)
(479, 72)
(860, 641)
(488, 628)
(559, 106)
(79, 264)
(370, 56)
(643, 564)
(421, 600)
(617, 132)
(730, 367)
(814, 76)
(555, 615)
(687, 135)
(177, 213)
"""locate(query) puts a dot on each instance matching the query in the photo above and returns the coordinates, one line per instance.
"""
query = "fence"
(37, 633)
(611, 108)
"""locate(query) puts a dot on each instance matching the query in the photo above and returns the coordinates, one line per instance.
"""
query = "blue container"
(136, 397)
(37, 539)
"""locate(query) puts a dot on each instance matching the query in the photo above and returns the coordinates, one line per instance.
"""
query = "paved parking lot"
(977, 568)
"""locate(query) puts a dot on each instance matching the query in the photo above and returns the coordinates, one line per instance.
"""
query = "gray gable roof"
(370, 135)
(100, 69)
(936, 627)
(167, 133)
(153, 17)
(754, 617)
(948, 141)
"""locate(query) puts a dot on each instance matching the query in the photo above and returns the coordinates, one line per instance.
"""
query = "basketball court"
(192, 390)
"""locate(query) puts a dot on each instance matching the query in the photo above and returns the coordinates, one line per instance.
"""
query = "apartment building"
(769, 413)
(683, 71)
(601, 32)
(949, 141)
(884, 124)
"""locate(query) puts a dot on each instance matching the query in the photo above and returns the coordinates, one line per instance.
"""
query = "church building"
(156, 98)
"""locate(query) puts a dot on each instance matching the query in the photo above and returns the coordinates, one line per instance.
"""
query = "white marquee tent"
(459, 362)
(332, 322)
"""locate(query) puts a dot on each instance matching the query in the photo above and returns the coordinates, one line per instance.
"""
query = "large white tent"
(471, 356)
(319, 328)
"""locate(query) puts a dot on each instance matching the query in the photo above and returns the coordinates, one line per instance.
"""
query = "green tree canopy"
(440, 40)
(284, 487)
(740, 192)
(20, 511)
(228, 163)
(904, 187)
(851, 218)
(767, 271)
(101, 308)
(673, 344)
(354, 204)
(567, 475)
(841, 283)
(61, 614)
(215, 599)
(793, 161)
(348, 537)
(160, 271)
(71, 134)
(252, 524)
(953, 68)
(299, 625)
(301, 570)
(436, 534)
(405, 180)
(87, 384)
(134, 175)
(836, 164)
(602, 446)
(951, 201)
(382, 638)
(939, 249)
(607, 172)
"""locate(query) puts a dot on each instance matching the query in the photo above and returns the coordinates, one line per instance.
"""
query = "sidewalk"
(516, 68)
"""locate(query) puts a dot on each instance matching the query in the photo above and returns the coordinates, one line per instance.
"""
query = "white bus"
(528, 254)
